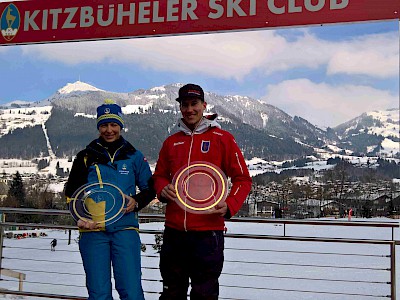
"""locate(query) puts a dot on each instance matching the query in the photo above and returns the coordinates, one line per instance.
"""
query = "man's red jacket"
(208, 143)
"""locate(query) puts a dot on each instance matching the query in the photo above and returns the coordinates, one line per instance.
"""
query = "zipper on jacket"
(108, 153)
(188, 163)
(115, 153)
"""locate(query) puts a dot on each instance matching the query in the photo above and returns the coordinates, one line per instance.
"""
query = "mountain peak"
(77, 86)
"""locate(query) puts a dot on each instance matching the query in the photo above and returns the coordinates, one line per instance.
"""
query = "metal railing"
(291, 259)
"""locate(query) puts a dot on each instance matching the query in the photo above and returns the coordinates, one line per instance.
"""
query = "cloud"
(374, 54)
(231, 55)
(327, 105)
(236, 55)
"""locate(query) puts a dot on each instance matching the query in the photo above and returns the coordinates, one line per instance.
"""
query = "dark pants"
(198, 255)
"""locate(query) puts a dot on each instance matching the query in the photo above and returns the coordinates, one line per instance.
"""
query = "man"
(193, 244)
(53, 245)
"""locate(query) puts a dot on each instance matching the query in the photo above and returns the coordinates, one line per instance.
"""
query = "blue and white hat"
(109, 112)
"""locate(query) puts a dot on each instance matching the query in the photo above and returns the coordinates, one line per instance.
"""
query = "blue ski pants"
(121, 250)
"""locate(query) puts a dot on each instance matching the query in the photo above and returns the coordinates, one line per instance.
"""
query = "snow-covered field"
(273, 261)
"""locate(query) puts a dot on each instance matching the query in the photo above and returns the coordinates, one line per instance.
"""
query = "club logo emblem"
(205, 146)
(9, 22)
(106, 110)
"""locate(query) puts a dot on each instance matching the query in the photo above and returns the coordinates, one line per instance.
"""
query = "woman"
(111, 159)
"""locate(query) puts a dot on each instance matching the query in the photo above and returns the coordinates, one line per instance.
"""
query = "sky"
(325, 74)
(274, 263)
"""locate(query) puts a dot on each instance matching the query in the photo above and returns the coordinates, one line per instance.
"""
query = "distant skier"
(53, 244)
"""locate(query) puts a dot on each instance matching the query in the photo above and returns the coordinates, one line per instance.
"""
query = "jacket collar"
(96, 146)
(205, 123)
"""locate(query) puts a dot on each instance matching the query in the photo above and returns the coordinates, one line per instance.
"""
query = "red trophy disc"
(200, 186)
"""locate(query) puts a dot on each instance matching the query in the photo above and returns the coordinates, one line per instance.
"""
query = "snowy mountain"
(372, 132)
(262, 130)
(11, 119)
(16, 104)
(240, 109)
(77, 86)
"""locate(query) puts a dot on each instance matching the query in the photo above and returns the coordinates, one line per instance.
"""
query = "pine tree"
(17, 191)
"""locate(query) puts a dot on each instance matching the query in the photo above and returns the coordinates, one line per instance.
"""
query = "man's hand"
(168, 192)
(220, 209)
(132, 204)
(88, 225)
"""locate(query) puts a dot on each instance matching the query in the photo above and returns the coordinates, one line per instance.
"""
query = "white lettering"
(219, 9)
(188, 7)
(143, 12)
(336, 5)
(276, 10)
(54, 13)
(139, 12)
(130, 13)
(156, 11)
(86, 19)
(30, 20)
(310, 7)
(171, 10)
(253, 7)
(44, 19)
(71, 13)
(293, 8)
(110, 18)
(234, 5)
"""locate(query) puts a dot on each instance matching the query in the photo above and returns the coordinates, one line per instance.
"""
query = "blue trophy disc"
(103, 203)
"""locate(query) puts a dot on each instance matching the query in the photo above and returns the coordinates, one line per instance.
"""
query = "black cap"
(190, 90)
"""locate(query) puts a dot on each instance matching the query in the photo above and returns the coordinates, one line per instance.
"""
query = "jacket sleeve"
(162, 175)
(77, 177)
(143, 181)
(235, 168)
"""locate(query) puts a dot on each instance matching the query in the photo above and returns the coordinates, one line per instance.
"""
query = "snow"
(334, 148)
(57, 187)
(77, 86)
(155, 97)
(390, 120)
(158, 89)
(129, 109)
(85, 115)
(389, 147)
(258, 166)
(11, 166)
(13, 118)
(264, 118)
(132, 109)
(256, 160)
(272, 260)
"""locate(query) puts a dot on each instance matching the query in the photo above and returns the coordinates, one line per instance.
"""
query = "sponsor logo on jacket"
(124, 170)
(178, 143)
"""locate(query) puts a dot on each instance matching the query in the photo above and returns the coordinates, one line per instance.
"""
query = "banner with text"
(45, 21)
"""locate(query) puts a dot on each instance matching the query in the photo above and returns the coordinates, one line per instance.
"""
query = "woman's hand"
(88, 225)
(132, 204)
